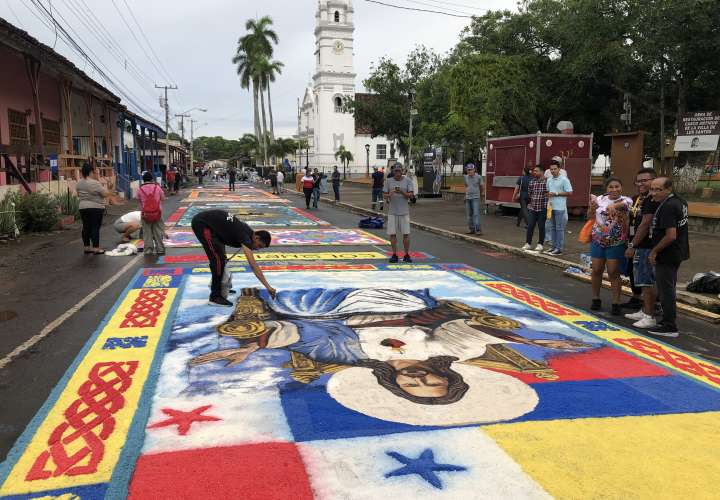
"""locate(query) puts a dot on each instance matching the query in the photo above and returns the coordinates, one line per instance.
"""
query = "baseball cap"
(397, 166)
(469, 166)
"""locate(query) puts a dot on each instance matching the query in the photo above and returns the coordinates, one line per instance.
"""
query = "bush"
(69, 204)
(36, 212)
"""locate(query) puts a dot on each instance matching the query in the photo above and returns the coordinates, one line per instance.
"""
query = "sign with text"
(698, 131)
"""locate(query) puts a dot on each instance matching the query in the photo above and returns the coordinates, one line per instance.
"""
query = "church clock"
(339, 47)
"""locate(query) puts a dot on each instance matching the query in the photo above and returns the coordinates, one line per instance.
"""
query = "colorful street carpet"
(287, 256)
(368, 381)
(255, 215)
(256, 195)
(185, 238)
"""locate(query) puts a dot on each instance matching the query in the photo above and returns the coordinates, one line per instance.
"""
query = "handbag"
(585, 235)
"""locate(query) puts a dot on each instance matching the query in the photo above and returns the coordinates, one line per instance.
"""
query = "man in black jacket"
(217, 228)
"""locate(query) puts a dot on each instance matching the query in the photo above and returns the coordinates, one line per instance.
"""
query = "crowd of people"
(643, 237)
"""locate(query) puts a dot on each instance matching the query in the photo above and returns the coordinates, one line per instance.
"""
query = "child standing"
(151, 196)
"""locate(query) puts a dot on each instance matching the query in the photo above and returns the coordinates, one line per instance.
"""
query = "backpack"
(705, 283)
(308, 183)
(372, 223)
(151, 210)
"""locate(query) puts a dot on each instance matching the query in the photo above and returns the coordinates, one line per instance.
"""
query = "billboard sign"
(698, 131)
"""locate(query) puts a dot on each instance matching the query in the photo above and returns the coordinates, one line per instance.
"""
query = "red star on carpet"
(184, 419)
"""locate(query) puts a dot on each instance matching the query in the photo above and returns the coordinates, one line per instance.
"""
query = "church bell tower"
(334, 78)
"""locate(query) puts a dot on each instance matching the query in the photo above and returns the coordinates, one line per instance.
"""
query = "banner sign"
(698, 131)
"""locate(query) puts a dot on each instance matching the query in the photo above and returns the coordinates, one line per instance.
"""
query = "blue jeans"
(377, 197)
(557, 226)
(472, 210)
(316, 196)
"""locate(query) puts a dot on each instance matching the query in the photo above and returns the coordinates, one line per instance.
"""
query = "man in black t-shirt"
(215, 229)
(670, 246)
(378, 182)
(641, 272)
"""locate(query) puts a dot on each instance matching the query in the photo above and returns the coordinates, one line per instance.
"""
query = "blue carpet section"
(314, 415)
(622, 397)
(92, 492)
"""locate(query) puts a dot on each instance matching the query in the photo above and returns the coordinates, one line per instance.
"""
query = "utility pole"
(192, 132)
(182, 117)
(167, 121)
(413, 111)
(299, 150)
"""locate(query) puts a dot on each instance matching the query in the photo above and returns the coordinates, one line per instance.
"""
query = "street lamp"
(367, 165)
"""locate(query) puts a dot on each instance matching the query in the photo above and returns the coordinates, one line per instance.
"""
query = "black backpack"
(705, 283)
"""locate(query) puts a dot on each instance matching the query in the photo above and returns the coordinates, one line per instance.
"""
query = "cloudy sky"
(194, 41)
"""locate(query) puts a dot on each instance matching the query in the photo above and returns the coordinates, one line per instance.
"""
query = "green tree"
(253, 50)
(344, 155)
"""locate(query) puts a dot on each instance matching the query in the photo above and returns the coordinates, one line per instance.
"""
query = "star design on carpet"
(424, 466)
(184, 419)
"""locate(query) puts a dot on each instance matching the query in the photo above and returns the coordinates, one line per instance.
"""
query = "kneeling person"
(217, 228)
(128, 224)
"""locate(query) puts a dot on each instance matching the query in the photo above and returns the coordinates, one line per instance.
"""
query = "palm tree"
(257, 46)
(268, 71)
(247, 70)
(344, 156)
(249, 146)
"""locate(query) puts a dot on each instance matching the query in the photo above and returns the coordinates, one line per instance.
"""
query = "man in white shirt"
(280, 179)
(128, 224)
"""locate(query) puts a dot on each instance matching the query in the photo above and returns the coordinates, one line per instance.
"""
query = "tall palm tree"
(257, 44)
(247, 69)
(268, 71)
(344, 156)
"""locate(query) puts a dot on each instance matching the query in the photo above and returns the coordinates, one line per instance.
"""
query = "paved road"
(50, 275)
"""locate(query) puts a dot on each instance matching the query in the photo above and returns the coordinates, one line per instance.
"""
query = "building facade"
(321, 119)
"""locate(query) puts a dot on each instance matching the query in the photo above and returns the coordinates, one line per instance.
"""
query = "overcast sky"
(195, 41)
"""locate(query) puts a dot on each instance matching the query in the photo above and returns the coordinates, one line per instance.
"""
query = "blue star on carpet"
(424, 466)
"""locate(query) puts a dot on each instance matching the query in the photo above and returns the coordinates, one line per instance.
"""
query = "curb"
(690, 304)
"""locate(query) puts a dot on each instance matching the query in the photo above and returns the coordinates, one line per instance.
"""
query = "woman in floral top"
(609, 240)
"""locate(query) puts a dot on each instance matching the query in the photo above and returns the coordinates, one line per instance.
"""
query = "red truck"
(506, 157)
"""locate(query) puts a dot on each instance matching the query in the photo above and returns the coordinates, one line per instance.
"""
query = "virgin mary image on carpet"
(395, 354)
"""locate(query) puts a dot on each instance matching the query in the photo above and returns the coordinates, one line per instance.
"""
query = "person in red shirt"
(170, 179)
(151, 196)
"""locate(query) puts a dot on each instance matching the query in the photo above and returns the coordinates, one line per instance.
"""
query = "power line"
(112, 39)
(132, 32)
(463, 5)
(435, 6)
(75, 46)
(93, 29)
(142, 32)
(415, 9)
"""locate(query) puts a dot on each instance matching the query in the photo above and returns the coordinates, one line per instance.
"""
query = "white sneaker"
(647, 322)
(538, 248)
(637, 316)
(526, 246)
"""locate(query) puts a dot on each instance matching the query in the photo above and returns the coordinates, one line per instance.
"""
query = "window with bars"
(381, 151)
(17, 121)
(51, 131)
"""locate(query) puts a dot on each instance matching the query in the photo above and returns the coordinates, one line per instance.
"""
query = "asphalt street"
(45, 276)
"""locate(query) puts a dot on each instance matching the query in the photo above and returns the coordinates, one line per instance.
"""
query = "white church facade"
(321, 118)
